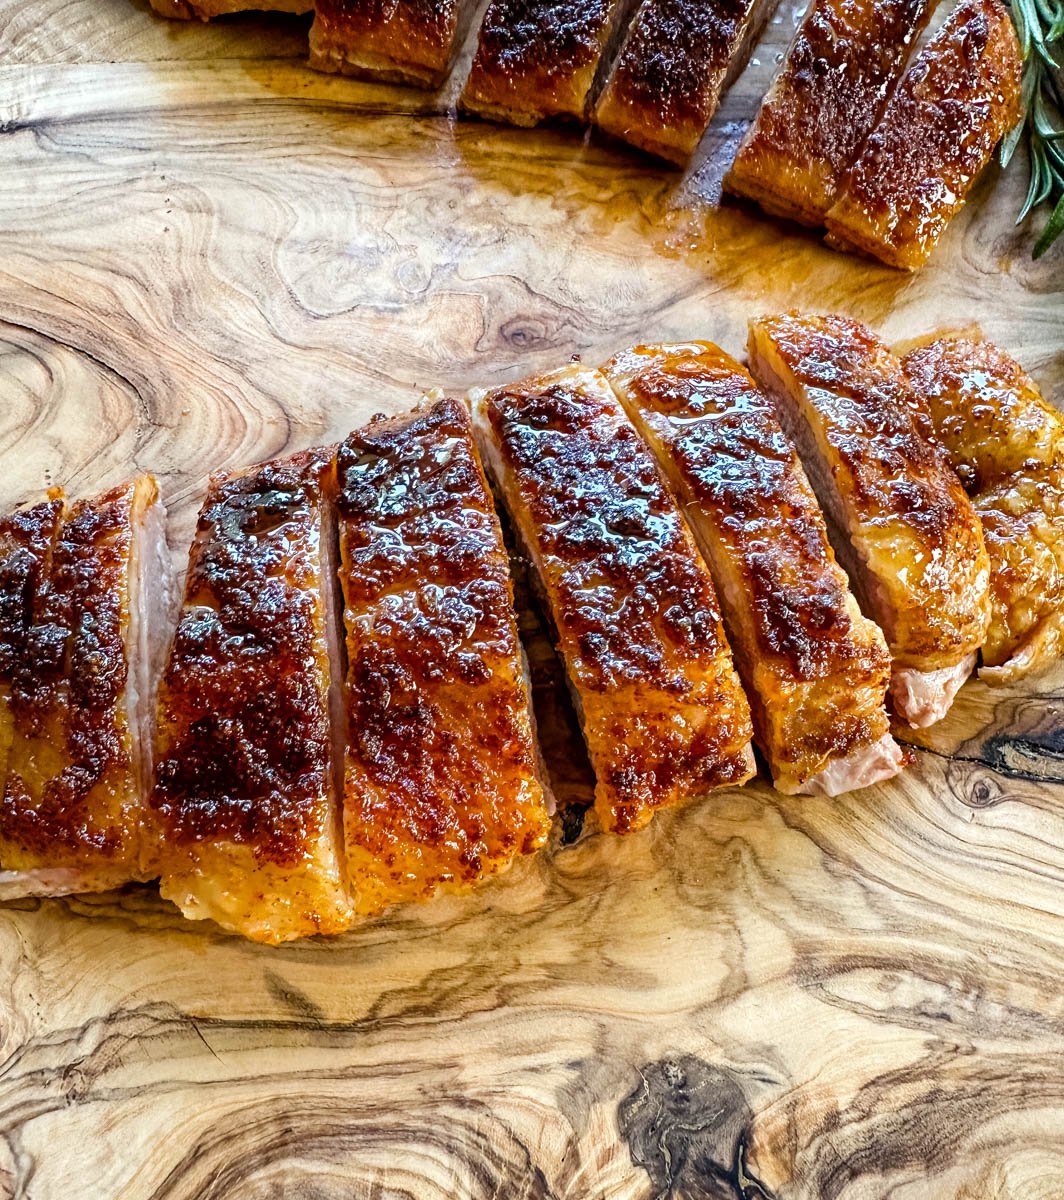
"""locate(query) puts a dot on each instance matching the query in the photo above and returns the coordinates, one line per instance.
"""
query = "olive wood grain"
(210, 255)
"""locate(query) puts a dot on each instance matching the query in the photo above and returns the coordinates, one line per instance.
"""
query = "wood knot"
(687, 1125)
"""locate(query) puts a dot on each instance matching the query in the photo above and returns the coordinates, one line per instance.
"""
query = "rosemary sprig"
(1040, 27)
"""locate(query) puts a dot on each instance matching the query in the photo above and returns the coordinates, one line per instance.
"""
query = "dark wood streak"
(1039, 758)
(257, 1140)
(880, 1137)
(289, 995)
(87, 353)
(210, 255)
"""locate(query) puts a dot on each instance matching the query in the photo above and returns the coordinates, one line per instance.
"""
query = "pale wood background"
(209, 254)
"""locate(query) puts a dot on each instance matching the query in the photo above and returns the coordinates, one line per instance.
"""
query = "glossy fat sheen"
(951, 108)
(1007, 445)
(539, 58)
(678, 57)
(412, 41)
(441, 784)
(920, 559)
(634, 610)
(827, 96)
(815, 669)
(247, 817)
(72, 804)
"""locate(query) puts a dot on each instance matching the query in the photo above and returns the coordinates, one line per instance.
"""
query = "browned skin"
(412, 41)
(827, 96)
(1007, 445)
(951, 108)
(441, 784)
(815, 670)
(26, 542)
(635, 613)
(71, 797)
(243, 798)
(923, 566)
(677, 59)
(539, 58)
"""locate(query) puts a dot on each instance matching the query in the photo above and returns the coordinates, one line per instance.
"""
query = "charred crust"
(244, 732)
(898, 471)
(543, 39)
(951, 107)
(633, 596)
(69, 682)
(26, 541)
(828, 94)
(633, 604)
(742, 467)
(441, 774)
(387, 25)
(675, 56)
(1008, 446)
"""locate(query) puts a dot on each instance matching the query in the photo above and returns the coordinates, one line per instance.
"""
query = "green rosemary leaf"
(1009, 143)
(1040, 30)
(1053, 229)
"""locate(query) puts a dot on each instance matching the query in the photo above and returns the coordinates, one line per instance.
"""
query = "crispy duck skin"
(939, 129)
(816, 671)
(402, 41)
(633, 606)
(442, 783)
(827, 96)
(79, 690)
(27, 539)
(678, 58)
(537, 59)
(204, 10)
(246, 802)
(906, 533)
(1007, 445)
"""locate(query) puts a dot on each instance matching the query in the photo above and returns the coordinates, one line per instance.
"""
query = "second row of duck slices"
(884, 160)
(851, 135)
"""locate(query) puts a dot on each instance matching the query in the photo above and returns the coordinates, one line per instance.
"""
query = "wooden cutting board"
(208, 255)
